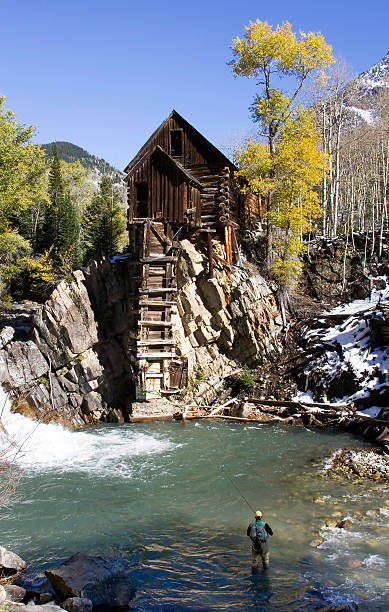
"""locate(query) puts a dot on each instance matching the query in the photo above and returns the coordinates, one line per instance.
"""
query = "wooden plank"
(162, 303)
(151, 290)
(155, 355)
(156, 323)
(154, 342)
(159, 259)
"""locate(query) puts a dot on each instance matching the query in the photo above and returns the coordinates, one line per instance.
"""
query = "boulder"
(15, 593)
(10, 563)
(34, 583)
(3, 594)
(44, 598)
(77, 604)
(96, 578)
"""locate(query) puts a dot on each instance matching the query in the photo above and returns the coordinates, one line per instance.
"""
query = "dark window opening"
(142, 200)
(176, 143)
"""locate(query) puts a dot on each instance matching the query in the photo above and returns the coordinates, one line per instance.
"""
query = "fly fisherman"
(258, 532)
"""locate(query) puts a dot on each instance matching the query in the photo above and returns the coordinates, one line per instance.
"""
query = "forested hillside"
(54, 214)
(70, 153)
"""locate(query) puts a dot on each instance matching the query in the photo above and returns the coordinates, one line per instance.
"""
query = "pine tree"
(61, 229)
(50, 232)
(103, 221)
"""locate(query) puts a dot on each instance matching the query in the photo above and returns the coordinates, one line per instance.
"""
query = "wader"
(262, 551)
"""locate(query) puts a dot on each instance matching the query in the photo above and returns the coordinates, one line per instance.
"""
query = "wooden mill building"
(179, 186)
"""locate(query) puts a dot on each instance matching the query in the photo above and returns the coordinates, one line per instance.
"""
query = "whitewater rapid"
(40, 446)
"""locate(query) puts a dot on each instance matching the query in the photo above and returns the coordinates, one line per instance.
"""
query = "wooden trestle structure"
(155, 352)
(179, 185)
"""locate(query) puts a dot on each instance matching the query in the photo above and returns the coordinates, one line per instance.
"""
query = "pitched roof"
(170, 161)
(206, 143)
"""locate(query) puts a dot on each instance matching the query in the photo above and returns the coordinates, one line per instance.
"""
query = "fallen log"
(247, 420)
(221, 407)
(264, 402)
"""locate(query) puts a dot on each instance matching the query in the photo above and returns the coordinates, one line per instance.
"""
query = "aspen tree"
(284, 165)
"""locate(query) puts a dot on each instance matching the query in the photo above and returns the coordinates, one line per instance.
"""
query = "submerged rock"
(96, 578)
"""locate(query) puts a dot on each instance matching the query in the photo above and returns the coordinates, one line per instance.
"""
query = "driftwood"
(214, 410)
(264, 402)
(221, 407)
(247, 420)
(365, 417)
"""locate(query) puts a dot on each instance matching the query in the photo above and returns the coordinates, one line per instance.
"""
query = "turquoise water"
(160, 496)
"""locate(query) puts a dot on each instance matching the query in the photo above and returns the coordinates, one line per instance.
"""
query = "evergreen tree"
(61, 229)
(50, 233)
(103, 221)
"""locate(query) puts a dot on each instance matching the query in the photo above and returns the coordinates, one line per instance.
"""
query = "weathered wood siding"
(168, 194)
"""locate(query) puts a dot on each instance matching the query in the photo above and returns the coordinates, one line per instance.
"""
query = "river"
(160, 495)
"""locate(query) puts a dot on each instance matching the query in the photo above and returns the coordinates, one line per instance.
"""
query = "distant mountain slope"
(374, 79)
(368, 90)
(69, 152)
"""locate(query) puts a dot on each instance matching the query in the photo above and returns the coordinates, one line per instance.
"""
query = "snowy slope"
(369, 85)
(347, 364)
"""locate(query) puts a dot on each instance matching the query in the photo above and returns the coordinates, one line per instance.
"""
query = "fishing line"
(236, 487)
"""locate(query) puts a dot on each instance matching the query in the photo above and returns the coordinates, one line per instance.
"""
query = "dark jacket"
(269, 530)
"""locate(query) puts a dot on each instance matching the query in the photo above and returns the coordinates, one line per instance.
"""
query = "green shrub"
(246, 378)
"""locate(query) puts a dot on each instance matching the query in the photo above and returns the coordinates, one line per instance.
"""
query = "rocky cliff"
(69, 360)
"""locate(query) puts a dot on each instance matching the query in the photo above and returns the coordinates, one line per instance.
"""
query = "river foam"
(40, 447)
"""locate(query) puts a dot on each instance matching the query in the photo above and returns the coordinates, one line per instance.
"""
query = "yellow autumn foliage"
(43, 269)
(286, 165)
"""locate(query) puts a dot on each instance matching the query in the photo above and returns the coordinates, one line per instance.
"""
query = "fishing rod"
(237, 488)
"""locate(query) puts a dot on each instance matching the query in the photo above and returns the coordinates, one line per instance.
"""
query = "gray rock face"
(96, 578)
(74, 365)
(224, 321)
(73, 368)
(10, 563)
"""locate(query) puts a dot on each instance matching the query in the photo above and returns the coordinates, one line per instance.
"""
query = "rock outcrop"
(224, 321)
(70, 361)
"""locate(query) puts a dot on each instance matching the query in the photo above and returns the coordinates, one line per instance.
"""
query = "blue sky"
(103, 75)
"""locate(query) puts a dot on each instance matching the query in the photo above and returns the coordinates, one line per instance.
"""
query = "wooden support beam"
(159, 234)
(210, 256)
